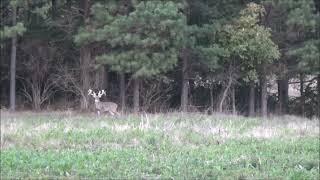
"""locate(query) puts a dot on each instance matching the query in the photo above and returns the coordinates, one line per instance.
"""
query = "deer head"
(95, 95)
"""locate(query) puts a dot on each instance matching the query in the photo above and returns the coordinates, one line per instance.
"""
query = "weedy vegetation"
(158, 146)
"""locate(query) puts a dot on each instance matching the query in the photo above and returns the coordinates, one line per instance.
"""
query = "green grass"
(161, 146)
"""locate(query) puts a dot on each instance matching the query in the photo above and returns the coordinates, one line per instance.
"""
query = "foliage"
(145, 42)
(301, 16)
(298, 33)
(7, 29)
(9, 32)
(250, 43)
(308, 56)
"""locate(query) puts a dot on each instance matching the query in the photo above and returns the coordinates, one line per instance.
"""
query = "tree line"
(161, 55)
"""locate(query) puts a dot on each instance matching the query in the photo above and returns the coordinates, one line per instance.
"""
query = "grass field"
(158, 146)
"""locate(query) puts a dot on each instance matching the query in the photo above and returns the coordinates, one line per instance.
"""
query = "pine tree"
(295, 29)
(12, 32)
(144, 43)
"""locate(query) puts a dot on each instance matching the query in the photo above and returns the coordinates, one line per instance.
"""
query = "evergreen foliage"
(145, 42)
(218, 45)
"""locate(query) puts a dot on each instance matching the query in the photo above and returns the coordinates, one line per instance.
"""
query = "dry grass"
(18, 128)
(181, 145)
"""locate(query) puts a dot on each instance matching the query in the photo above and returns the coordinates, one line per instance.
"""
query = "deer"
(110, 107)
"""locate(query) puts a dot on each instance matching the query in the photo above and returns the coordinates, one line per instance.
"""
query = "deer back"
(106, 106)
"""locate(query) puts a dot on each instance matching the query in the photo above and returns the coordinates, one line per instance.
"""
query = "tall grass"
(151, 146)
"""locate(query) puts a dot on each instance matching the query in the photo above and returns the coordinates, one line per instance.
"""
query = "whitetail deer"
(110, 107)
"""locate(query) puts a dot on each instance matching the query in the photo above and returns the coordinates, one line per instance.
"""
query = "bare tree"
(228, 80)
(13, 64)
(37, 92)
(67, 79)
(38, 78)
(156, 94)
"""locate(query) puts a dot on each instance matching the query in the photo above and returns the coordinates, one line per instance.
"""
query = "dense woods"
(231, 56)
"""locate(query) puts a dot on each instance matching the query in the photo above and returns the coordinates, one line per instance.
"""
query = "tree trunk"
(264, 96)
(105, 83)
(136, 94)
(122, 91)
(251, 99)
(318, 87)
(13, 64)
(53, 8)
(36, 97)
(85, 56)
(100, 78)
(283, 96)
(84, 8)
(185, 81)
(211, 100)
(224, 95)
(234, 111)
(69, 4)
(280, 98)
(302, 95)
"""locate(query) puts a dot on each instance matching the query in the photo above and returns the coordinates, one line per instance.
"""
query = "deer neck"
(96, 101)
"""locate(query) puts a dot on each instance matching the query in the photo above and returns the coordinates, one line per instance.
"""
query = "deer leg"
(98, 113)
(111, 113)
